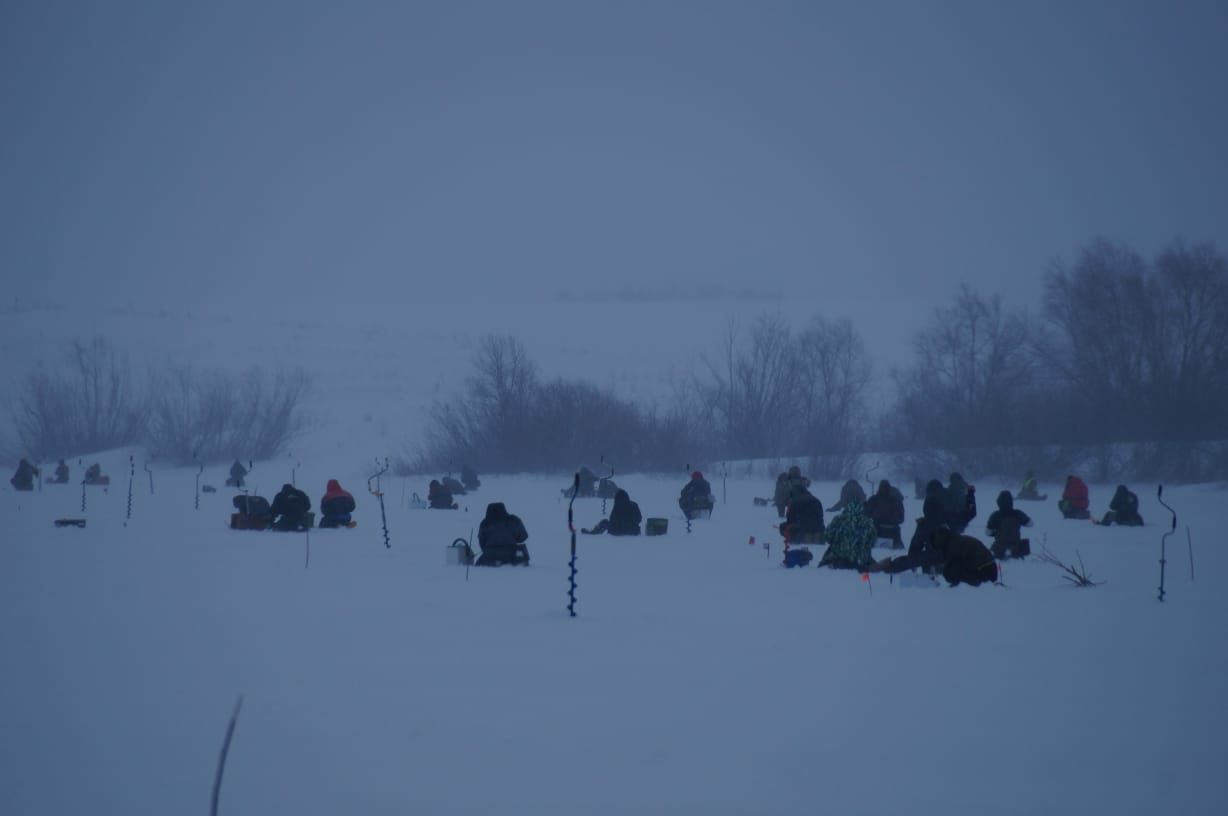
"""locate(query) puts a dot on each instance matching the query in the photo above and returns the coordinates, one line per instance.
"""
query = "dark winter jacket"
(1006, 513)
(804, 518)
(932, 517)
(1125, 507)
(588, 482)
(61, 473)
(290, 508)
(469, 478)
(959, 503)
(850, 492)
(237, 472)
(439, 497)
(256, 507)
(336, 501)
(625, 515)
(885, 507)
(23, 479)
(965, 559)
(696, 495)
(501, 537)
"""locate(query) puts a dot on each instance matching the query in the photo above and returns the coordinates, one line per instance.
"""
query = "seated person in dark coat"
(1004, 525)
(23, 479)
(780, 497)
(61, 473)
(237, 473)
(624, 520)
(886, 509)
(469, 478)
(959, 503)
(588, 483)
(254, 513)
(933, 516)
(960, 559)
(291, 509)
(696, 496)
(501, 537)
(850, 492)
(93, 475)
(439, 497)
(1123, 509)
(336, 506)
(453, 486)
(804, 517)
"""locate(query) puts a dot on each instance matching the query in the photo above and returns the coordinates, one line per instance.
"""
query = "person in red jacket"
(336, 506)
(1074, 503)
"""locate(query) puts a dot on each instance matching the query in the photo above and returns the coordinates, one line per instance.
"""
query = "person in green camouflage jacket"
(850, 535)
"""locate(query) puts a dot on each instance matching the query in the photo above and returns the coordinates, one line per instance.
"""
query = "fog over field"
(872, 240)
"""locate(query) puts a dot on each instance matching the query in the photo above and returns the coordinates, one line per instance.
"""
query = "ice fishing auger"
(379, 494)
(571, 592)
(1164, 538)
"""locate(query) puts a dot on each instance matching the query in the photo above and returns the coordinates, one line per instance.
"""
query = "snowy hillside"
(699, 676)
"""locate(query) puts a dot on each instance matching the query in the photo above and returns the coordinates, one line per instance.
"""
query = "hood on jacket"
(495, 511)
(1006, 501)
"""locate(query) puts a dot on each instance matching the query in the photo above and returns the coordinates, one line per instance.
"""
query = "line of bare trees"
(1121, 372)
(95, 402)
(1124, 368)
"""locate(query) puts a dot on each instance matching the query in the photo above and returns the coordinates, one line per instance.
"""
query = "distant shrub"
(94, 403)
(216, 416)
(507, 420)
(91, 404)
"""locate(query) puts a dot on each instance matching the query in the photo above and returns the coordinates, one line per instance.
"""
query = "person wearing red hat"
(336, 506)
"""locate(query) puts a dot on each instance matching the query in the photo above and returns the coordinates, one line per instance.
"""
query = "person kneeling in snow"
(1075, 502)
(886, 509)
(1123, 509)
(849, 493)
(291, 510)
(851, 534)
(23, 479)
(960, 558)
(696, 498)
(501, 537)
(624, 520)
(439, 497)
(254, 513)
(1003, 527)
(336, 506)
(93, 475)
(803, 522)
(237, 474)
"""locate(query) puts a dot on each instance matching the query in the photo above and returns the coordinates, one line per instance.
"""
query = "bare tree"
(833, 373)
(972, 364)
(214, 416)
(92, 404)
(750, 390)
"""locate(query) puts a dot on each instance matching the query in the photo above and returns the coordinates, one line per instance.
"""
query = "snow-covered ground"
(699, 676)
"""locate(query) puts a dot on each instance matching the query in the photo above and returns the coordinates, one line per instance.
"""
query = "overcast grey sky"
(446, 150)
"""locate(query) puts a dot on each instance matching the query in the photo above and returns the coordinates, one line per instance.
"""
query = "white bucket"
(456, 553)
